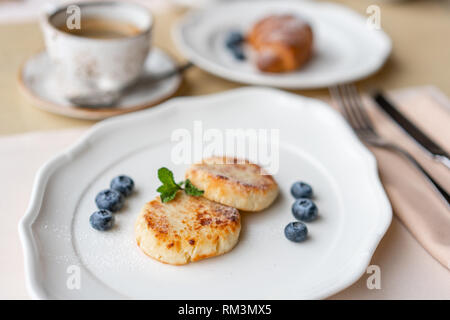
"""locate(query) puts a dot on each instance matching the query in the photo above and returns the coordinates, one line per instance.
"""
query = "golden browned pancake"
(186, 229)
(233, 182)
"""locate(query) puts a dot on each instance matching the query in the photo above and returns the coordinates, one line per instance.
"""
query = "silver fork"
(350, 103)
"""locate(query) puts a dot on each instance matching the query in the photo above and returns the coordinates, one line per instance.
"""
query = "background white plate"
(316, 146)
(346, 49)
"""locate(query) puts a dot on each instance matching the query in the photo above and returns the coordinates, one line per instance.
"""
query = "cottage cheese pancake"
(234, 183)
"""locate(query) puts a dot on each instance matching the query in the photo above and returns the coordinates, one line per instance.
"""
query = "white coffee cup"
(83, 66)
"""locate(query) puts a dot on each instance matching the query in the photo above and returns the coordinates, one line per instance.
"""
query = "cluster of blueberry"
(234, 42)
(303, 209)
(109, 201)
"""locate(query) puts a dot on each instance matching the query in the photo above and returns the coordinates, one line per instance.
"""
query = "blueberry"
(304, 209)
(238, 53)
(111, 200)
(234, 39)
(296, 231)
(234, 42)
(301, 190)
(123, 184)
(102, 220)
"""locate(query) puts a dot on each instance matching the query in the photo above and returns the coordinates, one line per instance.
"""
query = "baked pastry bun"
(233, 182)
(282, 43)
(186, 229)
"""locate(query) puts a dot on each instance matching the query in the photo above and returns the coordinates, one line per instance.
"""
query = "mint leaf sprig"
(169, 187)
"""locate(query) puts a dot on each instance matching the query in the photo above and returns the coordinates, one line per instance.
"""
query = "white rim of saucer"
(86, 113)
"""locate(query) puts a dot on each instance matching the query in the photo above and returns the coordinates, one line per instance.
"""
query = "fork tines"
(349, 101)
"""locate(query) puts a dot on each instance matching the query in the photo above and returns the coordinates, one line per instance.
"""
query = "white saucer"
(38, 84)
(346, 49)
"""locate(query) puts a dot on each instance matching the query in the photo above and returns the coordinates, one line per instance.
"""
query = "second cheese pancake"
(186, 229)
(233, 182)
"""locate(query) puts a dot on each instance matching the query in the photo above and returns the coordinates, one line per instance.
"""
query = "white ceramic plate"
(42, 88)
(346, 49)
(316, 146)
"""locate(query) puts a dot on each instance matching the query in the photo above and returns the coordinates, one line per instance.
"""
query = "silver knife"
(432, 147)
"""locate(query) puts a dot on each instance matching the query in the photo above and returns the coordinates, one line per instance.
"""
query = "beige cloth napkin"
(413, 199)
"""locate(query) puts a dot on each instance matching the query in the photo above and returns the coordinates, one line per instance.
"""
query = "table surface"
(421, 52)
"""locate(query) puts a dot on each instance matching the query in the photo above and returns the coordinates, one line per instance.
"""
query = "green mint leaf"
(166, 177)
(167, 196)
(191, 190)
(169, 188)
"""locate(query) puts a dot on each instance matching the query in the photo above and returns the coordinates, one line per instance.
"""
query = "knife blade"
(427, 143)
